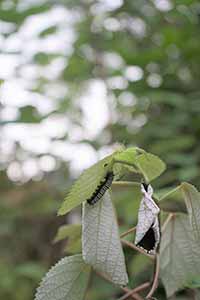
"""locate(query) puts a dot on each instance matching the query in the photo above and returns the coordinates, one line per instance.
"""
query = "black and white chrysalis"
(102, 188)
(148, 228)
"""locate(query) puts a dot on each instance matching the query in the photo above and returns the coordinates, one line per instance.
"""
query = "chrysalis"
(102, 188)
(147, 230)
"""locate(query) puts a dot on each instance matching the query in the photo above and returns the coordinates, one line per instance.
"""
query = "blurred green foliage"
(147, 55)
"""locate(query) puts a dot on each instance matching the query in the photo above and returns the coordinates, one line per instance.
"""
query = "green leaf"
(73, 246)
(192, 200)
(42, 58)
(140, 263)
(29, 114)
(151, 166)
(71, 232)
(128, 156)
(68, 279)
(30, 270)
(49, 30)
(68, 231)
(148, 164)
(173, 201)
(86, 184)
(179, 262)
(173, 144)
(101, 244)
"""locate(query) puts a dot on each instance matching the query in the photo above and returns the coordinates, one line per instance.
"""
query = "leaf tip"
(186, 185)
(61, 211)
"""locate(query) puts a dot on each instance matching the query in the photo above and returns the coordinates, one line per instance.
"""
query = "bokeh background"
(77, 78)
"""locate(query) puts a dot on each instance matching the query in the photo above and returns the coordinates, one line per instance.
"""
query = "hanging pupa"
(148, 229)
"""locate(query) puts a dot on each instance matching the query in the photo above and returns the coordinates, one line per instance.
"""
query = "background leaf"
(127, 200)
(173, 201)
(73, 246)
(86, 184)
(179, 254)
(101, 244)
(72, 233)
(68, 279)
(184, 198)
(66, 231)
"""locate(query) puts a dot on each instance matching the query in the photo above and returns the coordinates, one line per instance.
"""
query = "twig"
(127, 232)
(138, 297)
(135, 290)
(155, 280)
(125, 183)
(132, 294)
(131, 245)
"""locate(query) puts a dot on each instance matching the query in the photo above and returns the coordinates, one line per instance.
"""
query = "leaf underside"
(67, 280)
(179, 252)
(192, 201)
(186, 199)
(68, 231)
(101, 244)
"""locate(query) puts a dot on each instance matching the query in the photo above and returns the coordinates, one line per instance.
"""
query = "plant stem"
(170, 216)
(155, 280)
(127, 232)
(132, 294)
(126, 163)
(125, 183)
(132, 246)
(135, 290)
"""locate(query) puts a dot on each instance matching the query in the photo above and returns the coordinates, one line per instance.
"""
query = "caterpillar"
(101, 189)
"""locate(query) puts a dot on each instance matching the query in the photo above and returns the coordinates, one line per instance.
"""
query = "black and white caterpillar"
(101, 189)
